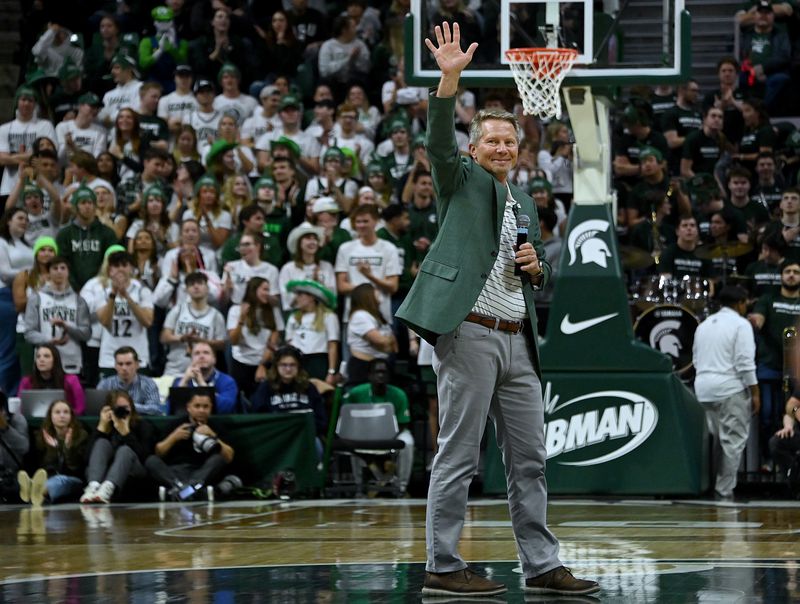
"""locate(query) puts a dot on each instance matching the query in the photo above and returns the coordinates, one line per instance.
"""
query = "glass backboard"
(619, 43)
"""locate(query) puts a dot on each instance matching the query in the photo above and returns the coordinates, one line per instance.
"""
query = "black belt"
(495, 323)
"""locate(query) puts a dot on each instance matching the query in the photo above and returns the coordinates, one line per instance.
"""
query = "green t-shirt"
(328, 252)
(779, 312)
(423, 223)
(407, 253)
(760, 48)
(363, 394)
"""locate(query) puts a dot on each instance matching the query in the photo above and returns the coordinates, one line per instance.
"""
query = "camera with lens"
(203, 443)
(121, 412)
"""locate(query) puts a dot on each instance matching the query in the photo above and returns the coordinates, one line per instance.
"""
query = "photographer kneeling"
(194, 453)
(119, 447)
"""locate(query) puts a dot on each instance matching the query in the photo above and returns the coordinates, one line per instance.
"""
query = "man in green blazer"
(480, 315)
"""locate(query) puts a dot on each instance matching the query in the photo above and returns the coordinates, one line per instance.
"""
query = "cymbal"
(734, 249)
(635, 257)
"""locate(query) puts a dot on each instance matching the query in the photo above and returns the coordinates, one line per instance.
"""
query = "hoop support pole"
(592, 166)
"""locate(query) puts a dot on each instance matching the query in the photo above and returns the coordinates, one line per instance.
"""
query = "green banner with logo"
(618, 420)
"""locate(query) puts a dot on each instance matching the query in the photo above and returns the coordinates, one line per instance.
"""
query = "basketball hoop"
(538, 73)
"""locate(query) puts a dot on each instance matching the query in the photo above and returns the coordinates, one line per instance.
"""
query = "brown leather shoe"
(460, 583)
(560, 581)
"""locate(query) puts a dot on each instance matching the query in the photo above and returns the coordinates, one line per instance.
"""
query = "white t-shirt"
(120, 98)
(250, 349)
(94, 293)
(176, 105)
(359, 325)
(389, 86)
(14, 257)
(241, 273)
(358, 143)
(222, 220)
(302, 335)
(315, 185)
(321, 273)
(240, 107)
(257, 125)
(309, 146)
(183, 319)
(93, 139)
(172, 235)
(13, 135)
(125, 327)
(170, 256)
(382, 257)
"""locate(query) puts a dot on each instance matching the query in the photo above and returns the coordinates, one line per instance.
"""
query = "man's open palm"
(449, 56)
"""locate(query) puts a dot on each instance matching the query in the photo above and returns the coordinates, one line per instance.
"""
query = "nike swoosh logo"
(569, 328)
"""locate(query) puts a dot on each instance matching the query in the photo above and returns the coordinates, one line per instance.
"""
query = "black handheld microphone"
(523, 222)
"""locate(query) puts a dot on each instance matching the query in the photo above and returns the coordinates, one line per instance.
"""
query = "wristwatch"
(331, 372)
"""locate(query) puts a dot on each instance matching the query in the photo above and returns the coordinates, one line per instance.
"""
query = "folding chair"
(366, 436)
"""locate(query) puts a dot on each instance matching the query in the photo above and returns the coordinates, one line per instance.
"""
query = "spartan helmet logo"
(592, 248)
(664, 337)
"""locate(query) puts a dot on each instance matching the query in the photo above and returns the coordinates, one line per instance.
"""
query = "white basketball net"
(538, 73)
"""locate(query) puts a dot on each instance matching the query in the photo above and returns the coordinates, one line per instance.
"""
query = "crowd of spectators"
(190, 187)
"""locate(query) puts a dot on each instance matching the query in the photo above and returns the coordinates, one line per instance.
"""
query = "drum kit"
(670, 309)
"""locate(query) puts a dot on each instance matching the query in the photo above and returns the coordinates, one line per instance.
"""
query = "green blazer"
(470, 206)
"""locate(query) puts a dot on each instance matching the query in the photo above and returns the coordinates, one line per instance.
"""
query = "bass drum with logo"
(669, 328)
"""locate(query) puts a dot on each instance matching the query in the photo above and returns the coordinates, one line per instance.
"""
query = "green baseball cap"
(538, 184)
(264, 182)
(231, 69)
(289, 101)
(26, 92)
(632, 115)
(375, 167)
(90, 98)
(419, 140)
(648, 151)
(125, 61)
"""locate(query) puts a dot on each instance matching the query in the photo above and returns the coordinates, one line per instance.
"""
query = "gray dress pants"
(483, 372)
(729, 424)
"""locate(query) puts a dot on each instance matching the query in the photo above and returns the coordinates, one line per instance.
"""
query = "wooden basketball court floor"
(373, 550)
